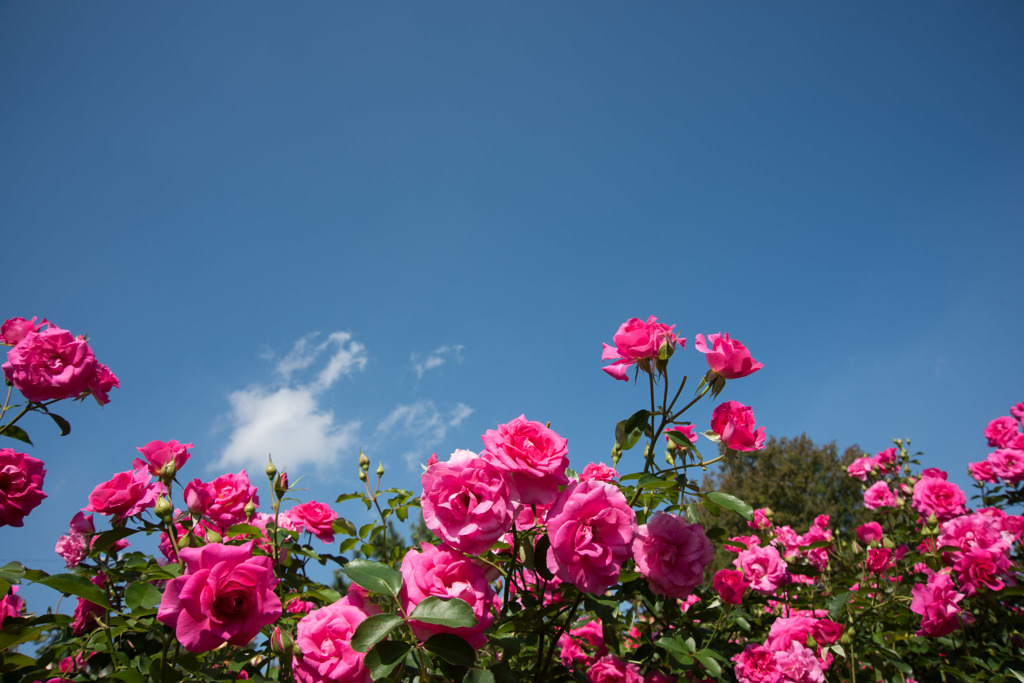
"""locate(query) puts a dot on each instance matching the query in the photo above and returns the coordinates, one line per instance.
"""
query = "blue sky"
(309, 229)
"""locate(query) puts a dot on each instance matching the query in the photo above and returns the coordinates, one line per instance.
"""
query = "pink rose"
(671, 554)
(879, 560)
(689, 431)
(980, 569)
(936, 602)
(231, 493)
(861, 468)
(764, 568)
(591, 529)
(879, 495)
(886, 460)
(199, 497)
(730, 585)
(88, 615)
(446, 573)
(316, 518)
(323, 645)
(1007, 464)
(21, 486)
(1017, 410)
(73, 548)
(225, 594)
(611, 669)
(982, 471)
(935, 496)
(637, 341)
(869, 533)
(598, 471)
(727, 357)
(1001, 431)
(534, 457)
(52, 364)
(125, 495)
(589, 635)
(10, 604)
(467, 504)
(16, 329)
(798, 663)
(762, 520)
(826, 632)
(757, 664)
(159, 453)
(734, 423)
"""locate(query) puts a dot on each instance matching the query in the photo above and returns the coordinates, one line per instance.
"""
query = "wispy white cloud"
(286, 420)
(422, 425)
(422, 364)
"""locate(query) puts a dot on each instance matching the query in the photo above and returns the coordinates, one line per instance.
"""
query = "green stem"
(546, 664)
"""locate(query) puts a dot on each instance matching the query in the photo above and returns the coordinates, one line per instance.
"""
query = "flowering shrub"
(537, 573)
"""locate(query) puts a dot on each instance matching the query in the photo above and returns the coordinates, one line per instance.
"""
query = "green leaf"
(348, 496)
(478, 676)
(385, 657)
(451, 648)
(79, 586)
(374, 629)
(129, 675)
(16, 634)
(653, 481)
(707, 659)
(12, 572)
(678, 438)
(629, 431)
(733, 503)
(451, 612)
(142, 595)
(64, 425)
(675, 644)
(375, 577)
(343, 526)
(107, 538)
(16, 432)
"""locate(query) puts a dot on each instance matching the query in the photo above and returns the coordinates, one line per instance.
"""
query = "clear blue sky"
(471, 197)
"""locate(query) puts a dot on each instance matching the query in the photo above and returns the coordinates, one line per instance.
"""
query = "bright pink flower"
(661, 677)
(1007, 464)
(879, 560)
(671, 554)
(231, 493)
(447, 574)
(103, 380)
(611, 669)
(21, 486)
(730, 585)
(879, 495)
(73, 548)
(861, 468)
(761, 519)
(689, 431)
(982, 471)
(869, 533)
(936, 602)
(52, 364)
(734, 423)
(10, 604)
(591, 528)
(467, 503)
(16, 329)
(799, 664)
(757, 664)
(316, 518)
(727, 357)
(826, 632)
(635, 341)
(980, 569)
(598, 471)
(199, 497)
(534, 456)
(935, 496)
(87, 614)
(975, 531)
(582, 644)
(159, 453)
(224, 595)
(323, 645)
(886, 460)
(764, 568)
(125, 495)
(1017, 410)
(544, 591)
(1001, 431)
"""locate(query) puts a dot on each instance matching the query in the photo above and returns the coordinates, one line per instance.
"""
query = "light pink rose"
(671, 554)
(598, 471)
(446, 573)
(879, 495)
(21, 486)
(467, 504)
(869, 533)
(316, 518)
(799, 664)
(125, 495)
(611, 669)
(689, 431)
(159, 453)
(534, 457)
(73, 548)
(591, 529)
(637, 341)
(936, 602)
(323, 647)
(734, 423)
(936, 496)
(224, 595)
(1001, 431)
(730, 585)
(727, 357)
(53, 364)
(231, 493)
(861, 468)
(1007, 464)
(10, 604)
(764, 568)
(16, 329)
(757, 664)
(582, 645)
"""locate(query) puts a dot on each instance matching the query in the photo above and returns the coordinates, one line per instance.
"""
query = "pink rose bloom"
(323, 646)
(982, 471)
(761, 519)
(51, 364)
(727, 357)
(446, 574)
(468, 504)
(869, 533)
(979, 569)
(886, 460)
(671, 554)
(757, 664)
(786, 630)
(975, 531)
(225, 595)
(637, 341)
(689, 431)
(1017, 410)
(879, 495)
(126, 495)
(861, 468)
(1001, 431)
(534, 457)
(799, 664)
(734, 423)
(936, 602)
(826, 632)
(103, 380)
(316, 518)
(16, 329)
(598, 471)
(73, 548)
(611, 669)
(88, 615)
(660, 677)
(879, 560)
(789, 540)
(582, 644)
(21, 486)
(764, 568)
(730, 585)
(10, 604)
(199, 497)
(159, 453)
(231, 493)
(591, 528)
(935, 496)
(1007, 464)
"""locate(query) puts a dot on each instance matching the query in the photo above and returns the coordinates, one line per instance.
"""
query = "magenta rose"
(756, 664)
(591, 528)
(860, 468)
(937, 603)
(16, 329)
(88, 615)
(635, 341)
(671, 554)
(879, 495)
(231, 493)
(1002, 431)
(980, 569)
(583, 644)
(727, 357)
(764, 568)
(879, 560)
(689, 431)
(467, 503)
(936, 496)
(534, 457)
(21, 486)
(52, 364)
(316, 518)
(199, 497)
(598, 471)
(1007, 464)
(730, 585)
(323, 645)
(159, 453)
(125, 495)
(734, 424)
(611, 669)
(224, 595)
(982, 471)
(886, 460)
(762, 519)
(11, 605)
(870, 532)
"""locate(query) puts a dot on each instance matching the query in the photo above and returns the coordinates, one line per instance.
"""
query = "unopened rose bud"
(362, 475)
(250, 510)
(163, 509)
(271, 470)
(281, 485)
(364, 462)
(281, 642)
(666, 349)
(380, 470)
(167, 471)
